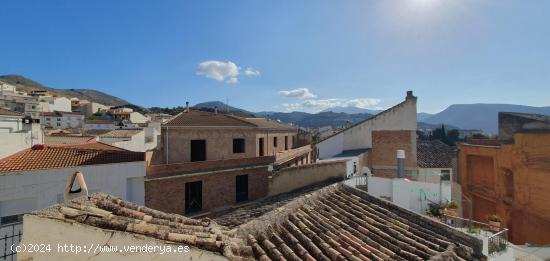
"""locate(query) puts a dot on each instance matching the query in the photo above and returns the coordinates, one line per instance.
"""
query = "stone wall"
(218, 188)
(292, 178)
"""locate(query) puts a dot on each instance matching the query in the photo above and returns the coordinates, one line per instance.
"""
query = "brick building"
(378, 137)
(208, 160)
(509, 177)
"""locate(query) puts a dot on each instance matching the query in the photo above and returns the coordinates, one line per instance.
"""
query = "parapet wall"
(292, 178)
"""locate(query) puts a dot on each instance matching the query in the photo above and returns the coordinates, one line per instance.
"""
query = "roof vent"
(39, 147)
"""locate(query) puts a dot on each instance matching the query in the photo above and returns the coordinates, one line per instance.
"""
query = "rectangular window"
(238, 145)
(198, 150)
(58, 124)
(193, 197)
(261, 147)
(274, 141)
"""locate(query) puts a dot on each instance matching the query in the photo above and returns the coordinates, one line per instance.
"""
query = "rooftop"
(6, 112)
(195, 118)
(121, 133)
(64, 156)
(332, 223)
(433, 154)
(58, 113)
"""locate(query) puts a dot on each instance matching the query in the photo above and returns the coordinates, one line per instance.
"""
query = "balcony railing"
(10, 235)
(496, 237)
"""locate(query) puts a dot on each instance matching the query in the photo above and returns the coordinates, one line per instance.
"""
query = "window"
(241, 189)
(286, 142)
(198, 150)
(58, 124)
(445, 175)
(58, 119)
(193, 197)
(238, 145)
(274, 141)
(261, 147)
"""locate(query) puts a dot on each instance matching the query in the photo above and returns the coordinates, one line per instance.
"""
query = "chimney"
(216, 110)
(69, 193)
(186, 106)
(410, 95)
(400, 164)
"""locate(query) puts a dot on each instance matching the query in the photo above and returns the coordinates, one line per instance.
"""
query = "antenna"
(226, 105)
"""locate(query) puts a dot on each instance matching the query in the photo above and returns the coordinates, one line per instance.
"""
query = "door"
(261, 146)
(193, 197)
(242, 187)
(198, 150)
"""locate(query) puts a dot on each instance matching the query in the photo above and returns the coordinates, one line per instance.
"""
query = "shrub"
(494, 218)
(452, 205)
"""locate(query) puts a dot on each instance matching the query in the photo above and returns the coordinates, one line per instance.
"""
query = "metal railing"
(10, 235)
(497, 237)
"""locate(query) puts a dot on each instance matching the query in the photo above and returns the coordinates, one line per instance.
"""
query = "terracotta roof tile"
(433, 154)
(121, 133)
(207, 119)
(70, 155)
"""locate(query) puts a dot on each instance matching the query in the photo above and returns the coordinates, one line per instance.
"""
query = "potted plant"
(452, 209)
(494, 221)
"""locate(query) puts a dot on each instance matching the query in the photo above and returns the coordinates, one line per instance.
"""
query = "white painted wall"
(331, 146)
(136, 117)
(412, 195)
(98, 126)
(134, 143)
(63, 122)
(402, 117)
(61, 104)
(45, 187)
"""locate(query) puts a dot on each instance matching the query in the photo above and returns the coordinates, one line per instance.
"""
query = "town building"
(336, 222)
(378, 138)
(128, 114)
(129, 139)
(207, 160)
(35, 178)
(17, 132)
(99, 124)
(51, 104)
(61, 119)
(88, 108)
(509, 177)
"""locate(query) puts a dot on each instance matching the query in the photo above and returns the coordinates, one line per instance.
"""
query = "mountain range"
(464, 116)
(27, 85)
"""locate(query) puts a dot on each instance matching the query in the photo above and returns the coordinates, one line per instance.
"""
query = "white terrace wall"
(292, 178)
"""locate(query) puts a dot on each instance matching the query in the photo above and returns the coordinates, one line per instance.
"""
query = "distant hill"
(422, 116)
(222, 107)
(351, 110)
(309, 120)
(27, 85)
(480, 116)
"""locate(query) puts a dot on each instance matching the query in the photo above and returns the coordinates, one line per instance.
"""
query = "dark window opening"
(193, 197)
(286, 142)
(238, 145)
(198, 150)
(274, 141)
(261, 146)
(445, 175)
(241, 188)
(11, 219)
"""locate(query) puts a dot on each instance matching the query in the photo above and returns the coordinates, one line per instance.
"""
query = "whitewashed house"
(35, 178)
(61, 119)
(99, 125)
(130, 139)
(17, 132)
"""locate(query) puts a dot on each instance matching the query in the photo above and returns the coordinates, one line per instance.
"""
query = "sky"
(285, 55)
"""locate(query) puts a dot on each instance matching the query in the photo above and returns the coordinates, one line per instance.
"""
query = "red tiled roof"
(270, 124)
(207, 119)
(70, 155)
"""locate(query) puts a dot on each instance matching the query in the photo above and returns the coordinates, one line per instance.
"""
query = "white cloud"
(302, 93)
(316, 105)
(224, 71)
(251, 72)
(219, 71)
(363, 103)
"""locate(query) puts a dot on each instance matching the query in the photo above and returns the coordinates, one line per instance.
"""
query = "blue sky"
(365, 53)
